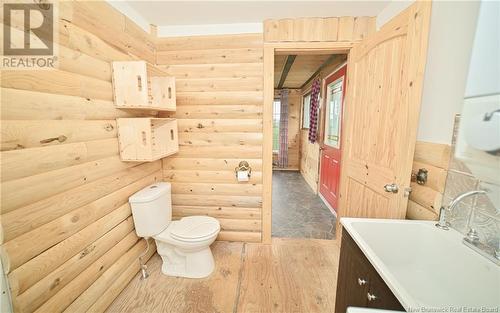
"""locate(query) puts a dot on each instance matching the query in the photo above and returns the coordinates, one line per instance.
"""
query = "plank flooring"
(291, 275)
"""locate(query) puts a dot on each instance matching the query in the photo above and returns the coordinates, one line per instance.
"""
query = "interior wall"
(344, 28)
(294, 106)
(219, 111)
(68, 239)
(426, 200)
(309, 160)
(391, 10)
(447, 67)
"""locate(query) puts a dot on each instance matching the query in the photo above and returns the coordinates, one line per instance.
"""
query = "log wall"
(67, 236)
(219, 112)
(425, 200)
(68, 239)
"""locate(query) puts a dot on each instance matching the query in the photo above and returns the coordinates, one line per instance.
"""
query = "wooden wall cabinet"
(147, 139)
(358, 282)
(138, 85)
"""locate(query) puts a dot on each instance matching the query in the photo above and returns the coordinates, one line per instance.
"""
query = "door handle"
(391, 188)
(361, 281)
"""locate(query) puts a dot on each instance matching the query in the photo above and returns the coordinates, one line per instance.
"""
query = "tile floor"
(297, 211)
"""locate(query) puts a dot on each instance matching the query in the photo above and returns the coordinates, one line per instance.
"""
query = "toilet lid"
(194, 227)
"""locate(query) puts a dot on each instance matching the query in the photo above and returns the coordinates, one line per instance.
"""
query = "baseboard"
(285, 169)
(327, 204)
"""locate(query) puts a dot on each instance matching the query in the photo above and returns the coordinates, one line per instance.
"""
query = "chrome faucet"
(471, 239)
(451, 206)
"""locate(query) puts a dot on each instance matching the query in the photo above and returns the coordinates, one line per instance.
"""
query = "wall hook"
(420, 177)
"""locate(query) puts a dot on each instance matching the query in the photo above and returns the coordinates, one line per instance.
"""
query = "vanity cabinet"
(358, 282)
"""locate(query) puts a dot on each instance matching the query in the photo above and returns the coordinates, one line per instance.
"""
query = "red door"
(330, 143)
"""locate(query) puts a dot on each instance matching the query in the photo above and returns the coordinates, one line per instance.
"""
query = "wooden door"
(330, 145)
(384, 89)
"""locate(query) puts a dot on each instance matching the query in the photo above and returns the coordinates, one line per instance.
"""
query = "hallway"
(297, 211)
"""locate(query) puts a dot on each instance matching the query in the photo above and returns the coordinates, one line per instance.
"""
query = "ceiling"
(228, 12)
(299, 70)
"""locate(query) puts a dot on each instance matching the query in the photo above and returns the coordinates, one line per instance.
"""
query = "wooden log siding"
(61, 179)
(68, 237)
(219, 107)
(425, 200)
(345, 28)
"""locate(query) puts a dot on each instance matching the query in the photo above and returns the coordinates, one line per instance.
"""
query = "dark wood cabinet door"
(353, 280)
(384, 298)
(358, 283)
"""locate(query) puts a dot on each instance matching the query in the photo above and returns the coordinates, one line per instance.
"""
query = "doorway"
(298, 210)
(382, 112)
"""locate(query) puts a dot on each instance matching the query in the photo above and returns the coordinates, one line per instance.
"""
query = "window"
(276, 124)
(333, 114)
(306, 103)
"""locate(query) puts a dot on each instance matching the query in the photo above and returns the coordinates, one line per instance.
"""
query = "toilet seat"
(194, 228)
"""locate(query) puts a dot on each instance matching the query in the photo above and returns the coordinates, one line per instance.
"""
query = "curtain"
(313, 111)
(283, 134)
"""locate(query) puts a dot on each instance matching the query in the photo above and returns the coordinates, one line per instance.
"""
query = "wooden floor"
(291, 275)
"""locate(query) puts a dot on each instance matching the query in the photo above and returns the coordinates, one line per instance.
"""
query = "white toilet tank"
(151, 209)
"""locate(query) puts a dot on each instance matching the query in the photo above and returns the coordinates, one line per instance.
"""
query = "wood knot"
(55, 283)
(61, 138)
(108, 127)
(86, 251)
(225, 272)
(200, 125)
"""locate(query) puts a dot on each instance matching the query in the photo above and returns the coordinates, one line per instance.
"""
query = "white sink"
(426, 267)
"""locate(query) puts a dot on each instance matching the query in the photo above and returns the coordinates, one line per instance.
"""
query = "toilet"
(183, 245)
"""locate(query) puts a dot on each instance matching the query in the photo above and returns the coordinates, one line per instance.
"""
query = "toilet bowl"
(183, 245)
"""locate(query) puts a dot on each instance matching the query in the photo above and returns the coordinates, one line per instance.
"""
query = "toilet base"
(190, 264)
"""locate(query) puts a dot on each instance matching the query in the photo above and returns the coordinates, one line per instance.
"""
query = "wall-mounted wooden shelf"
(147, 139)
(139, 85)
